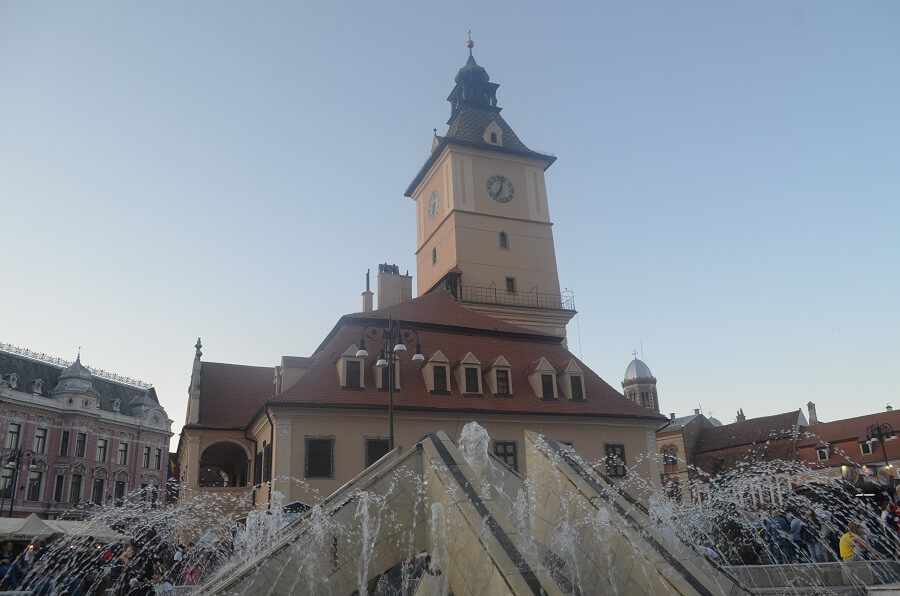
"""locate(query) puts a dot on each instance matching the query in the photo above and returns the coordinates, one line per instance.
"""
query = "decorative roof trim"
(63, 363)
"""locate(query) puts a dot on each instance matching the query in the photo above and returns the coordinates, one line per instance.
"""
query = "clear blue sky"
(726, 192)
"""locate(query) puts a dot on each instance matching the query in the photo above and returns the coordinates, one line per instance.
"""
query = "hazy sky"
(726, 193)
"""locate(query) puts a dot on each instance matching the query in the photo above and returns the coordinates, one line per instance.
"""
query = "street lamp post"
(14, 463)
(392, 345)
(882, 432)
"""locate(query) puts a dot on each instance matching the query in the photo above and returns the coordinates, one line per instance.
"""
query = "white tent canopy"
(31, 527)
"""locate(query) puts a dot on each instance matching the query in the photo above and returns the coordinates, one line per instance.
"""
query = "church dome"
(75, 378)
(472, 73)
(637, 370)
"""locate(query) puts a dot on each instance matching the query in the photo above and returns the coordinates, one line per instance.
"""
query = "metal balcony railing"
(473, 294)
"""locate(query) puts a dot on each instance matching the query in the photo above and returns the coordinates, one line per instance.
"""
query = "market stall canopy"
(26, 529)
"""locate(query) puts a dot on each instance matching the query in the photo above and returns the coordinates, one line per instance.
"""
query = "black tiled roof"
(27, 371)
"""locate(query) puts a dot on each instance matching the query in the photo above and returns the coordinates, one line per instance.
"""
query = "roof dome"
(637, 370)
(472, 73)
(76, 378)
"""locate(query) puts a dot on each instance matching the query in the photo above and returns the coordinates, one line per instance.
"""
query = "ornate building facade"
(74, 439)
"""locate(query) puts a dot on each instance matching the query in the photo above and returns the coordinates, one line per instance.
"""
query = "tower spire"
(469, 43)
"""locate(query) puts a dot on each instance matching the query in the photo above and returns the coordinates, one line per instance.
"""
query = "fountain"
(486, 530)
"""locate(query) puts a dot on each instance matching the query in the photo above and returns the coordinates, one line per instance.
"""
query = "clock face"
(434, 205)
(500, 189)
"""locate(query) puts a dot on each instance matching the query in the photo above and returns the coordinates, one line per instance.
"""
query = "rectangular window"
(75, 489)
(615, 460)
(267, 462)
(511, 285)
(157, 459)
(577, 388)
(866, 448)
(101, 449)
(319, 457)
(40, 440)
(80, 442)
(502, 382)
(822, 453)
(440, 378)
(12, 435)
(385, 381)
(547, 386)
(97, 493)
(506, 451)
(376, 448)
(34, 486)
(352, 370)
(147, 456)
(471, 380)
(64, 444)
(120, 493)
(58, 488)
(122, 459)
(5, 483)
(257, 469)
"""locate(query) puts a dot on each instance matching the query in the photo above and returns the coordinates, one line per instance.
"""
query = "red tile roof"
(444, 325)
(232, 394)
(847, 429)
(749, 432)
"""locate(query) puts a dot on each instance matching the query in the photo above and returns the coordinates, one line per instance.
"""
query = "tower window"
(511, 285)
(433, 256)
(494, 138)
(504, 241)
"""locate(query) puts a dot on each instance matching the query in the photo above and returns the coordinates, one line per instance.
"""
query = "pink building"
(73, 439)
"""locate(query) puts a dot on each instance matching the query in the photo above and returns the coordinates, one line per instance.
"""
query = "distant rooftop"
(63, 363)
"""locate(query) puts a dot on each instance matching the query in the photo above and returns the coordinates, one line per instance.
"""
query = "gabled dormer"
(499, 377)
(542, 377)
(571, 381)
(436, 374)
(381, 374)
(468, 375)
(350, 369)
(493, 134)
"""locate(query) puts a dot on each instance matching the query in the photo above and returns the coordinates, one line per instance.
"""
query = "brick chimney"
(740, 416)
(393, 288)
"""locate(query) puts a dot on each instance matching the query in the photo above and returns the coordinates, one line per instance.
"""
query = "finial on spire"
(470, 44)
(635, 354)
(198, 345)
(78, 357)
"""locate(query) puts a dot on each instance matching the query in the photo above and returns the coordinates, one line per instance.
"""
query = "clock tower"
(482, 217)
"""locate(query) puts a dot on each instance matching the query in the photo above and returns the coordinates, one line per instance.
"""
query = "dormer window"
(571, 381)
(36, 386)
(493, 134)
(13, 380)
(382, 376)
(499, 378)
(822, 453)
(350, 369)
(547, 387)
(542, 377)
(436, 374)
(865, 448)
(469, 374)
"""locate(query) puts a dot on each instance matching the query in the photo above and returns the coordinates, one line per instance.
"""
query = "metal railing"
(473, 294)
(63, 363)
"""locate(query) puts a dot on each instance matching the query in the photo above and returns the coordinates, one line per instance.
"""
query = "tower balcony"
(538, 300)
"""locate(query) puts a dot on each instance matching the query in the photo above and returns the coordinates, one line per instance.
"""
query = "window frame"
(613, 468)
(75, 487)
(13, 435)
(510, 285)
(39, 446)
(820, 451)
(576, 381)
(476, 374)
(357, 380)
(497, 447)
(502, 391)
(146, 459)
(101, 484)
(445, 378)
(101, 450)
(306, 444)
(368, 443)
(80, 444)
(59, 488)
(544, 380)
(157, 459)
(34, 485)
(64, 444)
(122, 454)
(504, 241)
(866, 445)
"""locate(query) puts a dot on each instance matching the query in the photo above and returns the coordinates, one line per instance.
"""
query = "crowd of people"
(85, 566)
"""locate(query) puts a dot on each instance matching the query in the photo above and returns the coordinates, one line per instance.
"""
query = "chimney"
(812, 413)
(672, 416)
(696, 411)
(393, 288)
(888, 408)
(740, 416)
(367, 296)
